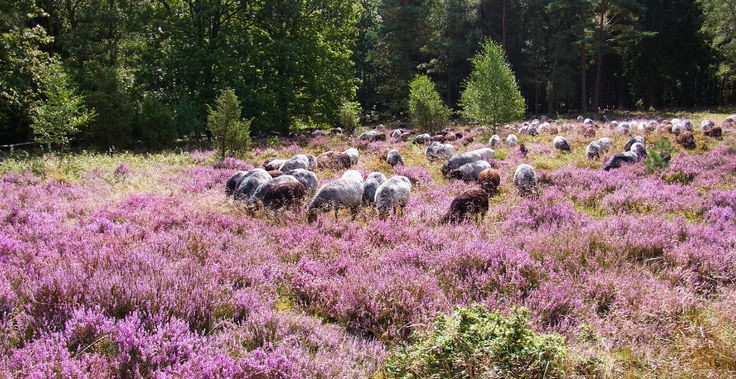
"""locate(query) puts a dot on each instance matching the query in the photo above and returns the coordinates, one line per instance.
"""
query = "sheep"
(312, 166)
(250, 183)
(318, 133)
(394, 158)
(233, 182)
(588, 132)
(273, 164)
(624, 126)
(533, 130)
(472, 202)
(307, 178)
(393, 194)
(511, 140)
(353, 154)
(686, 140)
(494, 141)
(458, 160)
(396, 134)
(257, 197)
(368, 136)
(285, 194)
(346, 192)
(580, 118)
(525, 180)
(687, 124)
(523, 150)
(593, 150)
(333, 160)
(489, 180)
(297, 161)
(639, 149)
(370, 185)
(589, 121)
(677, 128)
(380, 137)
(438, 151)
(275, 173)
(632, 141)
(714, 132)
(422, 139)
(469, 172)
(560, 143)
(617, 160)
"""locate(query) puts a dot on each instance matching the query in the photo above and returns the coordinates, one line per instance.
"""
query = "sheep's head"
(445, 169)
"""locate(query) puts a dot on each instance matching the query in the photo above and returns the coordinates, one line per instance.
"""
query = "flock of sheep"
(290, 182)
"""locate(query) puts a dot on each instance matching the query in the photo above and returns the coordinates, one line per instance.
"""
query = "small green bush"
(659, 160)
(156, 124)
(473, 343)
(429, 113)
(229, 130)
(350, 116)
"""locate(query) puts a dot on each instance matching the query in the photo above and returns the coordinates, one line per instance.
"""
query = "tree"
(58, 116)
(427, 109)
(491, 93)
(229, 130)
(720, 17)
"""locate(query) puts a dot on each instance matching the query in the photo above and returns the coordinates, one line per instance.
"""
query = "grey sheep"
(525, 180)
(368, 136)
(632, 141)
(593, 150)
(458, 160)
(393, 194)
(295, 162)
(307, 178)
(353, 154)
(422, 139)
(232, 184)
(438, 151)
(346, 192)
(617, 160)
(511, 140)
(494, 141)
(560, 143)
(394, 158)
(469, 172)
(250, 183)
(370, 185)
(604, 144)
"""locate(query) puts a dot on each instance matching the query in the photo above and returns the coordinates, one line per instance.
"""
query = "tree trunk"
(583, 90)
(598, 77)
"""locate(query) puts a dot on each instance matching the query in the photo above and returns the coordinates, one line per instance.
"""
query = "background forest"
(144, 71)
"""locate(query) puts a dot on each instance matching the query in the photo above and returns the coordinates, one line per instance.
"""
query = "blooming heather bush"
(418, 175)
(230, 163)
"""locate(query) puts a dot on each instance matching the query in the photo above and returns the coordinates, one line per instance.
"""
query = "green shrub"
(350, 116)
(156, 124)
(429, 113)
(473, 343)
(659, 160)
(230, 132)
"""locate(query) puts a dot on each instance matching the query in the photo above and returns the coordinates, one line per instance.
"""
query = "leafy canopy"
(427, 110)
(491, 93)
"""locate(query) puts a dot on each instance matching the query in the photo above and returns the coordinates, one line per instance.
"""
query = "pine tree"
(230, 132)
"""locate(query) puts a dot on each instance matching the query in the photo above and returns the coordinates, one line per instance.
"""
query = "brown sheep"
(686, 139)
(523, 150)
(472, 202)
(489, 180)
(589, 133)
(439, 138)
(275, 173)
(333, 160)
(714, 132)
(380, 137)
(285, 194)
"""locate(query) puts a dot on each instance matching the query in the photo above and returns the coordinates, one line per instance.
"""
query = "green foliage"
(720, 16)
(427, 110)
(113, 124)
(58, 116)
(156, 124)
(491, 94)
(350, 116)
(229, 130)
(473, 343)
(659, 160)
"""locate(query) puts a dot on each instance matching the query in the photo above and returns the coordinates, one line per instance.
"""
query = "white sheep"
(593, 150)
(604, 144)
(469, 172)
(306, 178)
(458, 160)
(511, 140)
(346, 192)
(560, 143)
(394, 158)
(707, 125)
(295, 162)
(422, 139)
(438, 151)
(632, 141)
(353, 154)
(588, 121)
(525, 180)
(368, 136)
(580, 118)
(396, 134)
(370, 185)
(392, 195)
(250, 183)
(494, 141)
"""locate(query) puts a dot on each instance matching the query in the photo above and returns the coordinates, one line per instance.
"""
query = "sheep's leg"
(354, 212)
(336, 210)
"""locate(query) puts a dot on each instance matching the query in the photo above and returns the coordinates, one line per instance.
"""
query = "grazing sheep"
(589, 121)
(469, 172)
(394, 158)
(393, 194)
(604, 144)
(396, 134)
(273, 164)
(525, 180)
(422, 139)
(593, 150)
(250, 183)
(458, 160)
(471, 203)
(437, 151)
(353, 154)
(318, 133)
(380, 137)
(523, 150)
(275, 173)
(233, 182)
(494, 141)
(632, 141)
(589, 132)
(257, 198)
(370, 185)
(295, 162)
(368, 136)
(686, 140)
(560, 143)
(580, 118)
(619, 159)
(677, 128)
(312, 166)
(285, 194)
(639, 149)
(489, 180)
(307, 178)
(511, 140)
(346, 192)
(714, 132)
(624, 126)
(333, 160)
(687, 124)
